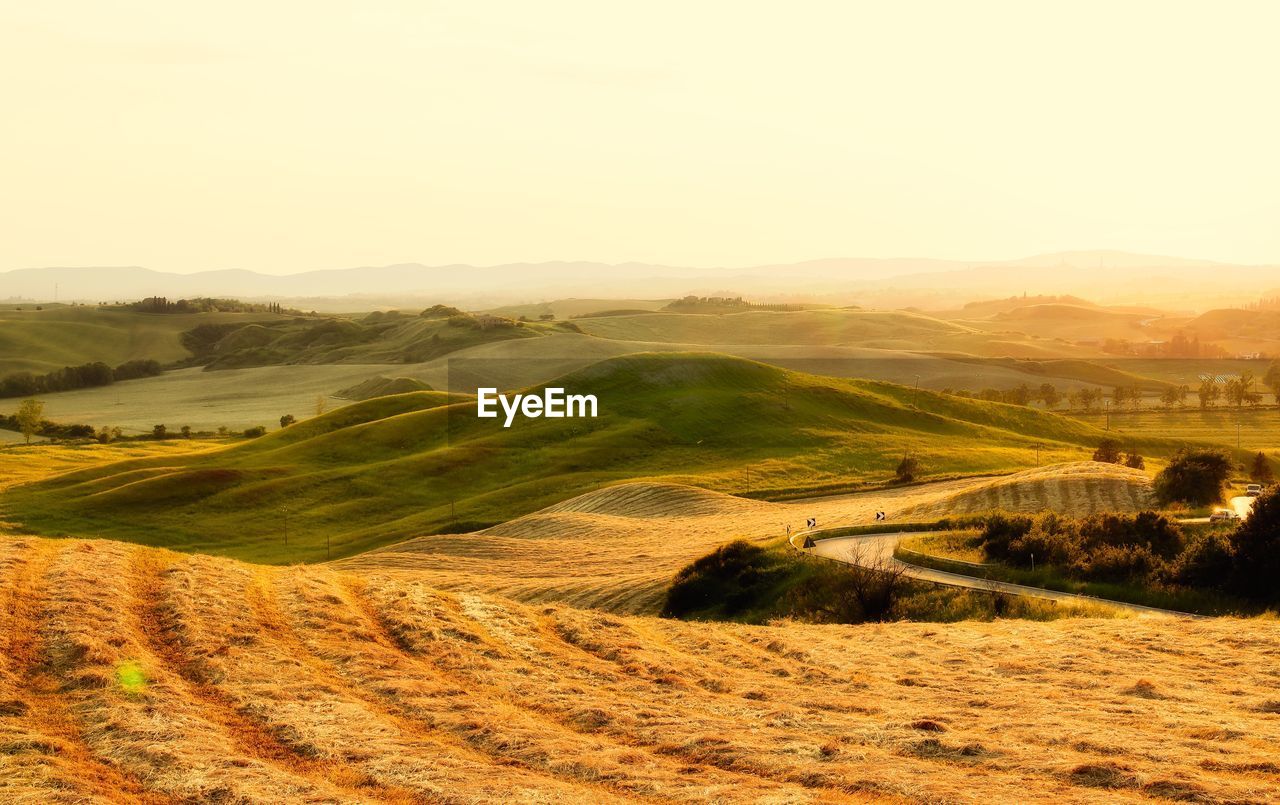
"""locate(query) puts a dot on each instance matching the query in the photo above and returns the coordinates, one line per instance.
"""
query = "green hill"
(381, 387)
(376, 338)
(818, 327)
(41, 341)
(377, 471)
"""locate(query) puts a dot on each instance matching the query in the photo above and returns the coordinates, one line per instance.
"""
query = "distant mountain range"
(1104, 276)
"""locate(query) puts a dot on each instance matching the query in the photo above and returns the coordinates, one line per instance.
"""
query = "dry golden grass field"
(618, 548)
(523, 664)
(130, 674)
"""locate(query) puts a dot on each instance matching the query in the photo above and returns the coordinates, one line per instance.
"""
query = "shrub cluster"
(730, 580)
(1104, 547)
(68, 378)
(1147, 548)
(50, 430)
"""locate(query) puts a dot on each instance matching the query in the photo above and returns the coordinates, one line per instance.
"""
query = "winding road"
(877, 550)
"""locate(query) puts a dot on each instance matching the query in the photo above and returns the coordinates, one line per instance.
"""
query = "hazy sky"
(282, 136)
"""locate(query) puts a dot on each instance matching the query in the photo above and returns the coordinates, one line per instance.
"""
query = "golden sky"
(281, 136)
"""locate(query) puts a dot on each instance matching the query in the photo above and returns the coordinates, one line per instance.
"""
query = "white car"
(1223, 514)
(1253, 490)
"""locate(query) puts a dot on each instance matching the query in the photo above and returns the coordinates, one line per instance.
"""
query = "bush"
(1256, 545)
(729, 579)
(1117, 563)
(1108, 452)
(999, 531)
(1261, 469)
(907, 470)
(1104, 547)
(255, 432)
(1195, 477)
(1208, 563)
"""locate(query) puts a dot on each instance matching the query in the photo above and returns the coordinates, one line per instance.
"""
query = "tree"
(287, 420)
(1108, 452)
(159, 432)
(1120, 396)
(1135, 396)
(1261, 470)
(30, 415)
(1085, 398)
(186, 431)
(1239, 390)
(1135, 461)
(907, 470)
(1209, 393)
(1050, 395)
(1272, 381)
(1174, 395)
(1256, 548)
(1195, 476)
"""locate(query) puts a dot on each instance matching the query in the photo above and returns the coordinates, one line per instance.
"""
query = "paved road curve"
(876, 549)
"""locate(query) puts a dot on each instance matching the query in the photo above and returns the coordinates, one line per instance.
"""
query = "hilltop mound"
(381, 387)
(1060, 312)
(654, 501)
(816, 327)
(1081, 488)
(130, 674)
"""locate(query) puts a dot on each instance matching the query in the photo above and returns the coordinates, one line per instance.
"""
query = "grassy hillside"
(381, 387)
(40, 341)
(135, 675)
(816, 327)
(376, 338)
(584, 551)
(392, 467)
(236, 398)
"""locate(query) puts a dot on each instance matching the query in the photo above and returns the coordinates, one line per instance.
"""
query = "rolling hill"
(381, 470)
(619, 547)
(138, 675)
(41, 341)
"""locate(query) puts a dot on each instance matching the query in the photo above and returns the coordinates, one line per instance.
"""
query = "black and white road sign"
(812, 522)
(881, 516)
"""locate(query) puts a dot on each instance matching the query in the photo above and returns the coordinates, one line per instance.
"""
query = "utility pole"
(1238, 434)
(915, 397)
(1107, 405)
(326, 546)
(285, 510)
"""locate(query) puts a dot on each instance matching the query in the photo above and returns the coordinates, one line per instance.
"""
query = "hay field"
(1078, 489)
(618, 548)
(130, 674)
